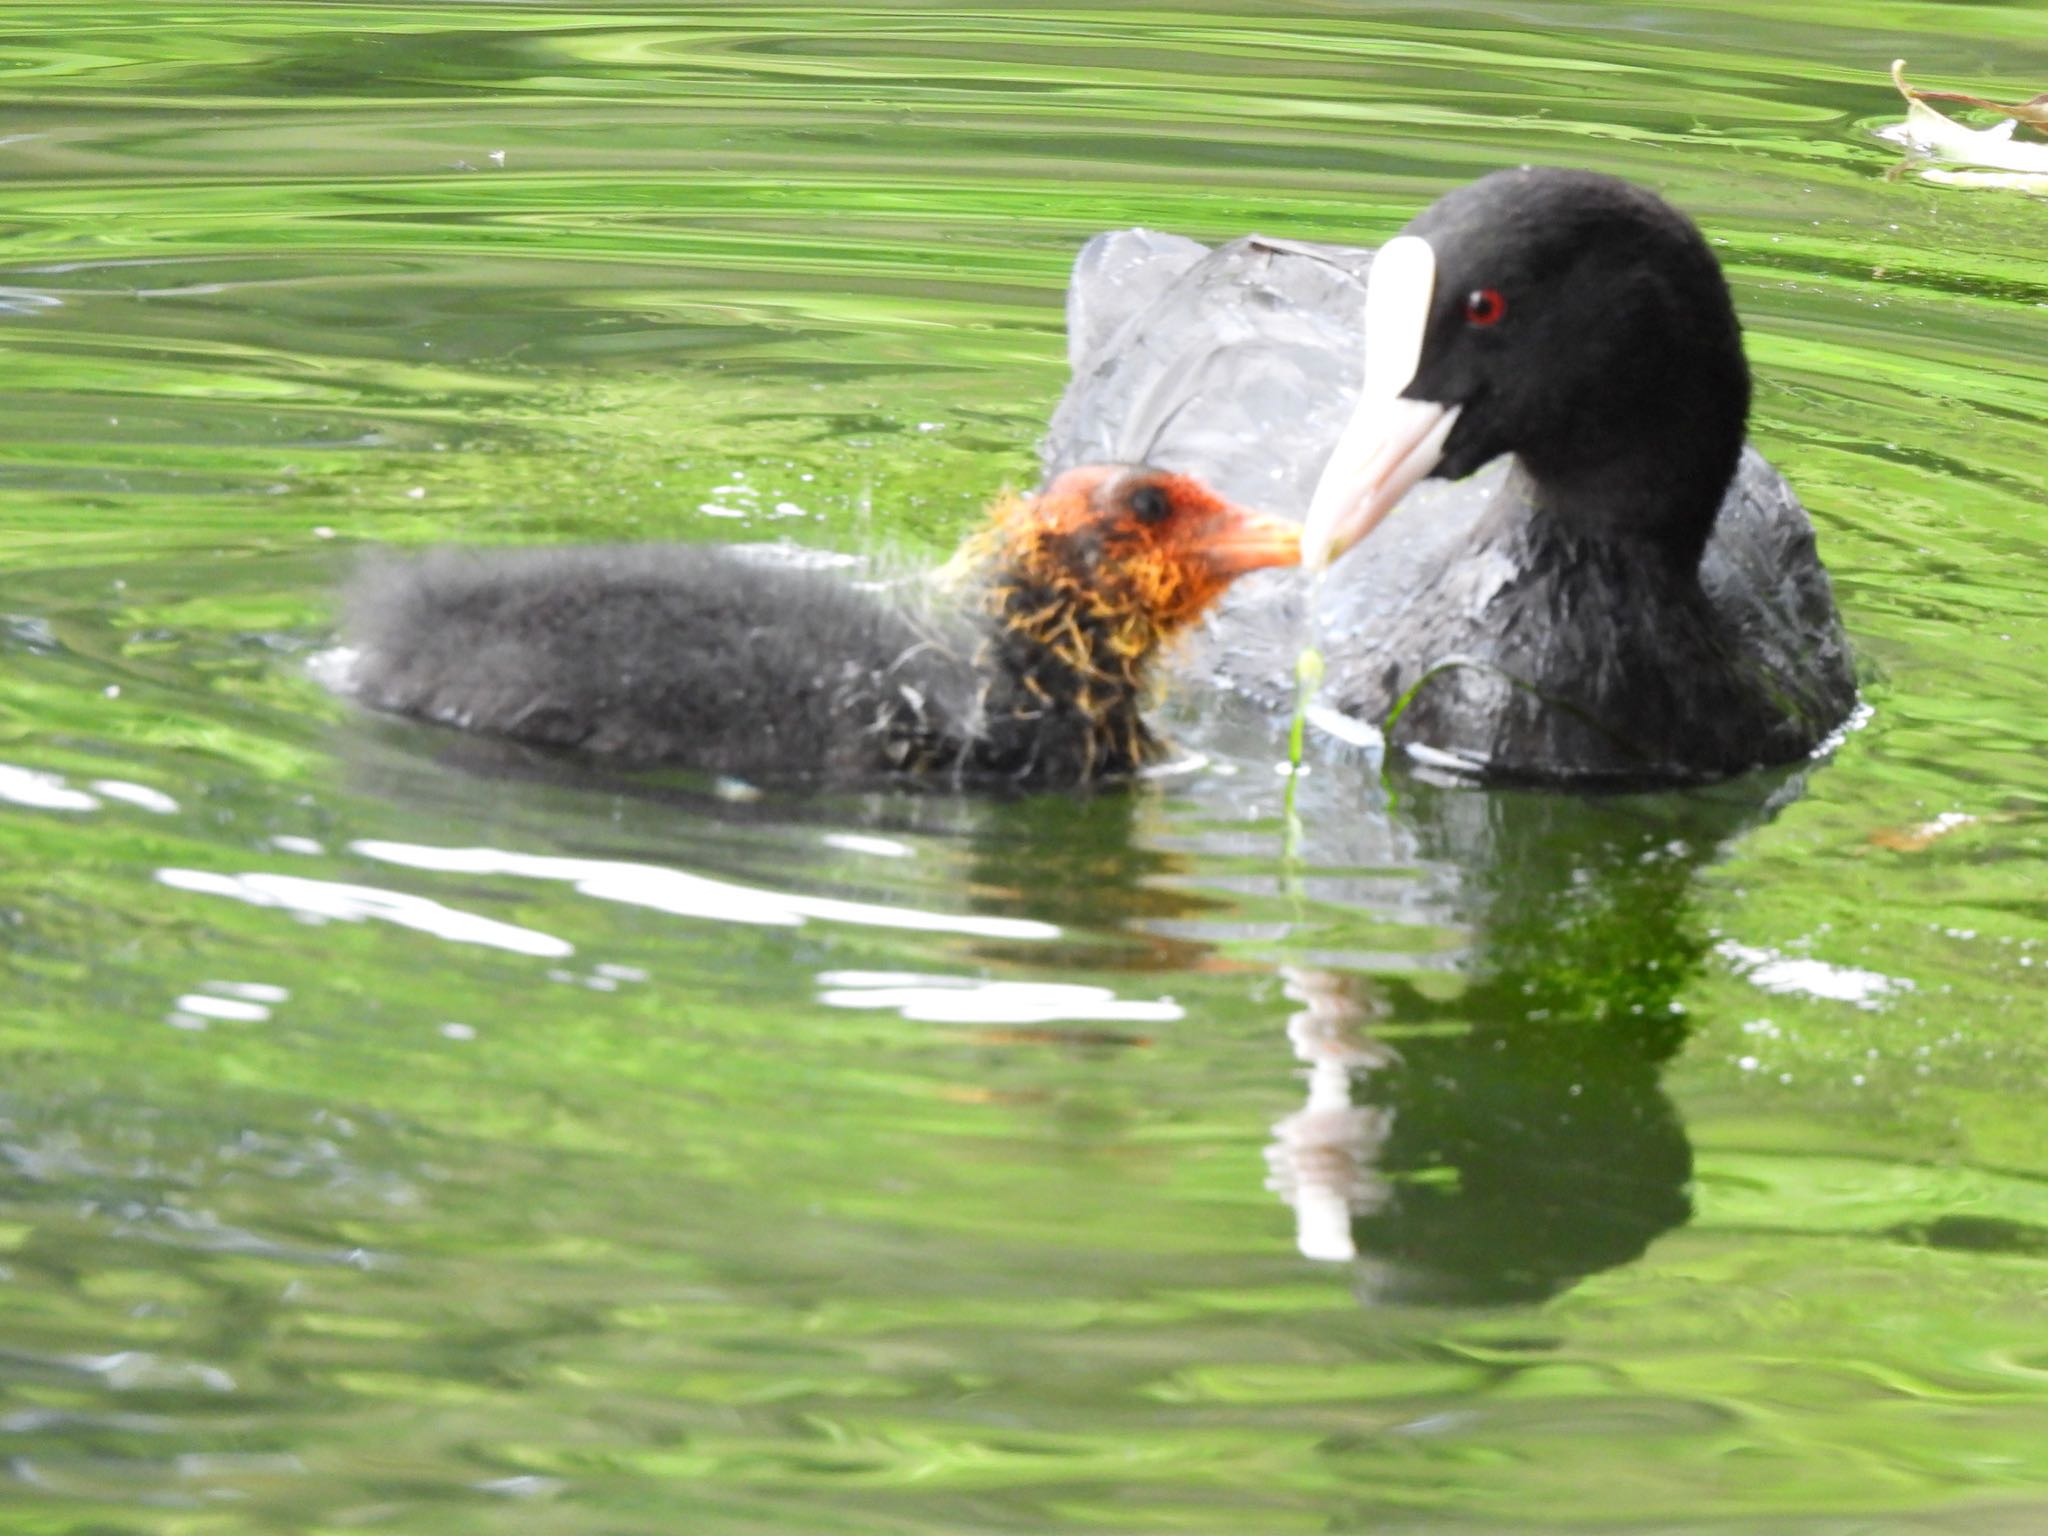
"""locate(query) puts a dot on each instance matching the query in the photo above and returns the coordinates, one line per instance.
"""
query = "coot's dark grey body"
(1548, 645)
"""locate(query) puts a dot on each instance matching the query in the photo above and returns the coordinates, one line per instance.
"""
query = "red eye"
(1485, 306)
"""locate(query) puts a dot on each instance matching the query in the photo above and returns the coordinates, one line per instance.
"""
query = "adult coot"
(1630, 596)
(1027, 665)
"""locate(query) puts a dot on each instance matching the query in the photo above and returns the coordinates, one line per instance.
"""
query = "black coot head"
(1574, 320)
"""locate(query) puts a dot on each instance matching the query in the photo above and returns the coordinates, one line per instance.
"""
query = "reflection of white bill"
(1323, 1159)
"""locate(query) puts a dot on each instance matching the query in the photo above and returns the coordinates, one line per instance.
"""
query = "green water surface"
(389, 1140)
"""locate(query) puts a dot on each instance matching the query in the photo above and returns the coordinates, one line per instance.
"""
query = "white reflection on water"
(41, 791)
(232, 1009)
(155, 801)
(25, 301)
(136, 1370)
(1792, 974)
(976, 1000)
(239, 1002)
(686, 895)
(330, 901)
(861, 842)
(249, 991)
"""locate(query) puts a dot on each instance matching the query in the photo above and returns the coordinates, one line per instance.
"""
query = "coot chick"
(1026, 664)
(1632, 597)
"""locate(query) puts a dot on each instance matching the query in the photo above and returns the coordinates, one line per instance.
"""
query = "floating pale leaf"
(1992, 157)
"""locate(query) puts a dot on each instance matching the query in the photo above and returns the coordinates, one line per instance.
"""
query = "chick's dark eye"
(1149, 504)
(1485, 306)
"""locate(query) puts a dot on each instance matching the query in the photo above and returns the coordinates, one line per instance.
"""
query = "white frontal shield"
(1390, 443)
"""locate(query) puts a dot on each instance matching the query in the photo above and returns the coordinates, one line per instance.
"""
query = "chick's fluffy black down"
(701, 657)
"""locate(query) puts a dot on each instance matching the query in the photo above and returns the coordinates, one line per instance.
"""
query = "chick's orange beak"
(1233, 540)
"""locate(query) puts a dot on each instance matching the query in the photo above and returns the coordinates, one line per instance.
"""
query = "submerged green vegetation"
(391, 1136)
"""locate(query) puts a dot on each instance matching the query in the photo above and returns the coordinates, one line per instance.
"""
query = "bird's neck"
(1646, 464)
(1065, 678)
(1633, 513)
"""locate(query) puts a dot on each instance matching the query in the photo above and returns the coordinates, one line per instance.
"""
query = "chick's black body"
(1629, 595)
(705, 658)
